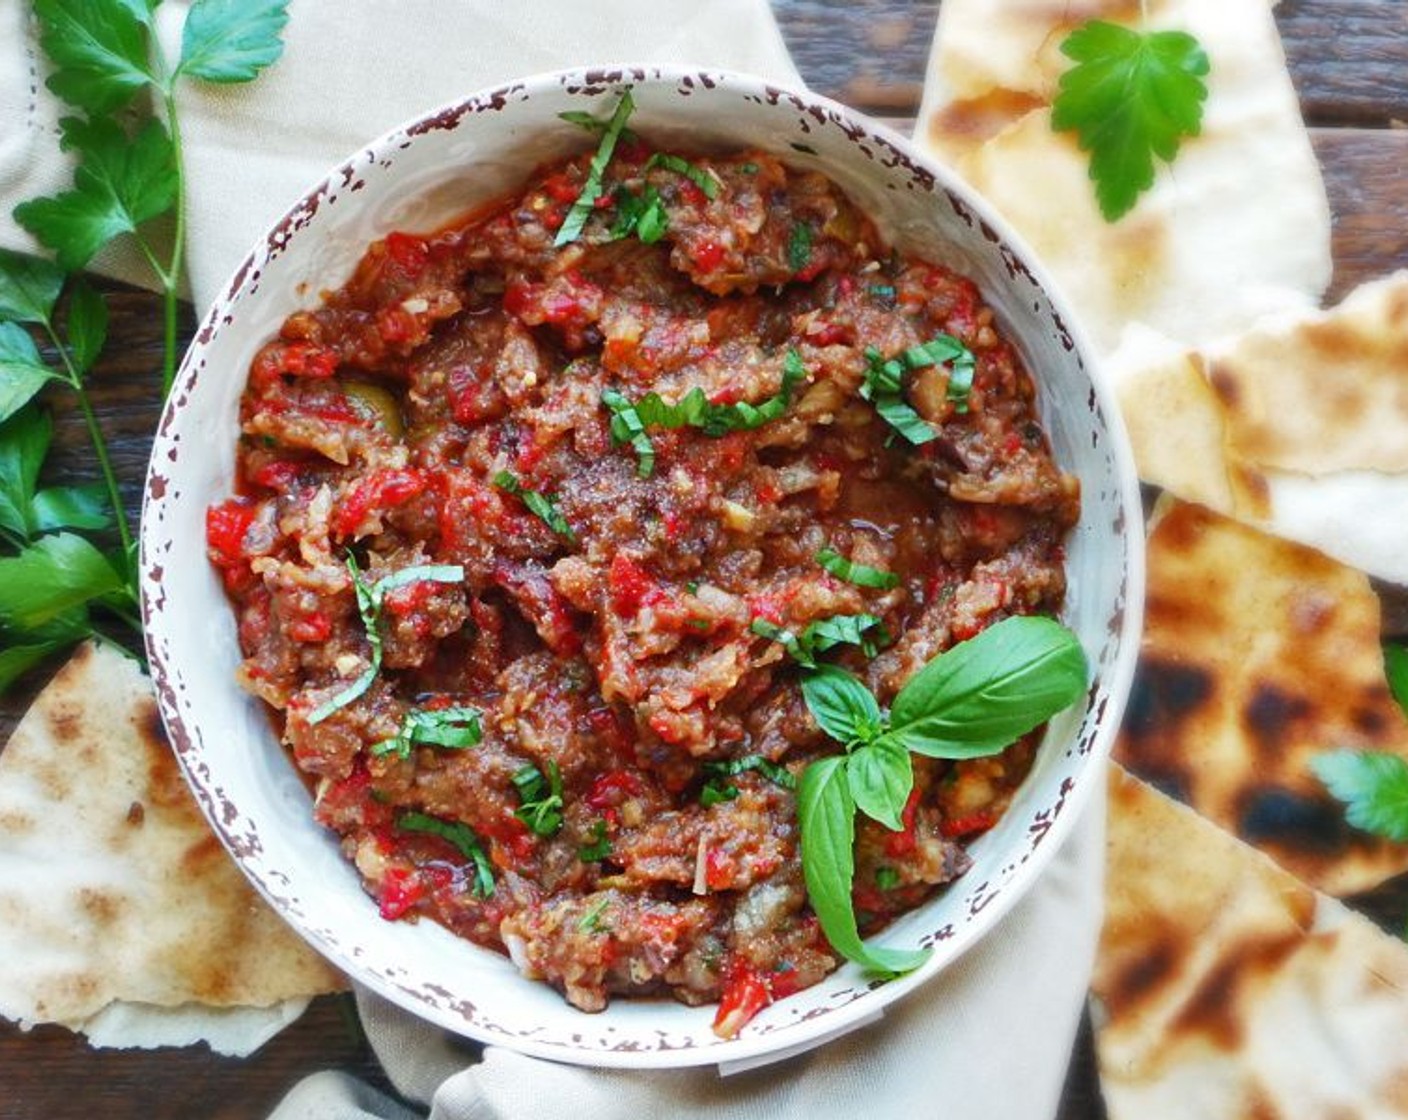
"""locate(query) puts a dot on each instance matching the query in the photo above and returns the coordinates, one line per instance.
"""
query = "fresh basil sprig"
(544, 506)
(462, 837)
(630, 419)
(823, 634)
(973, 700)
(454, 728)
(369, 601)
(862, 575)
(582, 208)
(541, 809)
(884, 383)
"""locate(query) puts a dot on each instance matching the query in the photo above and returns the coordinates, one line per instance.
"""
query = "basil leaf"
(29, 287)
(778, 775)
(715, 791)
(862, 575)
(462, 837)
(599, 848)
(696, 175)
(416, 573)
(628, 427)
(98, 50)
(1374, 787)
(453, 728)
(820, 635)
(228, 41)
(982, 694)
(541, 809)
(842, 707)
(582, 208)
(22, 372)
(880, 776)
(541, 505)
(882, 387)
(826, 813)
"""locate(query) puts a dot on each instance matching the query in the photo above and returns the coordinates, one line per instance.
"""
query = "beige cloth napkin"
(991, 1037)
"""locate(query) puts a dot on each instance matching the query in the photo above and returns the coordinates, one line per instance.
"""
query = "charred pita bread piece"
(1225, 988)
(1239, 227)
(1259, 654)
(120, 912)
(1299, 426)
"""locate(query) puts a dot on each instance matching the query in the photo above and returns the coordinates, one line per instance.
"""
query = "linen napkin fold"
(991, 1037)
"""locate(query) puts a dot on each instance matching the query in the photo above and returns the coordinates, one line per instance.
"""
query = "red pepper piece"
(226, 525)
(903, 842)
(612, 788)
(746, 992)
(969, 825)
(376, 494)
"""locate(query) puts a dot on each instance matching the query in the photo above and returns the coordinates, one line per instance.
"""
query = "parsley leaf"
(51, 578)
(862, 575)
(462, 838)
(582, 208)
(231, 40)
(29, 287)
(543, 506)
(1374, 787)
(24, 441)
(120, 183)
(22, 372)
(98, 49)
(1130, 97)
(87, 325)
(541, 809)
(1396, 670)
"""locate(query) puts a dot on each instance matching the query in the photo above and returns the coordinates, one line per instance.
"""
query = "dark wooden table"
(1349, 60)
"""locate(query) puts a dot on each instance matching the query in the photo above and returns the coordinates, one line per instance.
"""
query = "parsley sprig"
(971, 701)
(1131, 96)
(630, 419)
(370, 597)
(1373, 784)
(102, 55)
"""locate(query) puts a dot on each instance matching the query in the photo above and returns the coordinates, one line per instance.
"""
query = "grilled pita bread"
(1258, 654)
(1299, 426)
(120, 912)
(1226, 989)
(1205, 252)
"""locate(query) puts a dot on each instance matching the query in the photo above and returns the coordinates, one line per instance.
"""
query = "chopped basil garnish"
(862, 575)
(542, 505)
(581, 209)
(640, 214)
(718, 788)
(823, 634)
(799, 247)
(887, 878)
(455, 728)
(591, 921)
(971, 701)
(630, 419)
(462, 837)
(599, 848)
(369, 600)
(541, 810)
(884, 380)
(749, 168)
(696, 175)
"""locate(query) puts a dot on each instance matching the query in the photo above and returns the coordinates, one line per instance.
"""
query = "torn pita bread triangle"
(120, 913)
(1225, 988)
(1205, 252)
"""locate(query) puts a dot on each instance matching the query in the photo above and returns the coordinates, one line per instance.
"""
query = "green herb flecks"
(599, 848)
(1130, 97)
(862, 575)
(971, 701)
(823, 634)
(462, 838)
(541, 796)
(696, 175)
(591, 921)
(582, 208)
(640, 214)
(799, 247)
(453, 728)
(543, 506)
(887, 878)
(369, 603)
(630, 419)
(718, 788)
(884, 383)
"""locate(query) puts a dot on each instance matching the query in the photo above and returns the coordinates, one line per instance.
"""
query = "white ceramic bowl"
(417, 178)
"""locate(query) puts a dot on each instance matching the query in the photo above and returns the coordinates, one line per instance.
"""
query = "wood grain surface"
(1349, 62)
